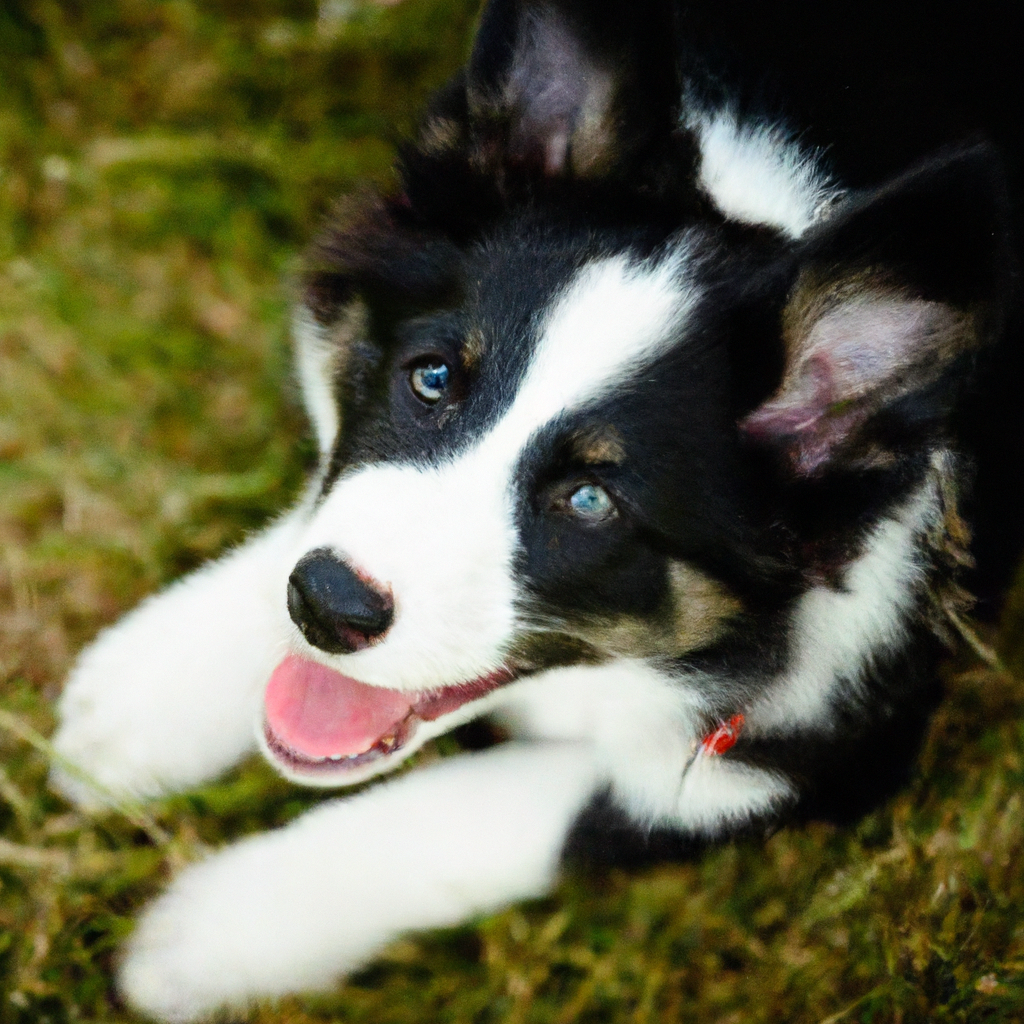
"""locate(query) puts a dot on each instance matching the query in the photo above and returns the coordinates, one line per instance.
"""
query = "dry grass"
(160, 166)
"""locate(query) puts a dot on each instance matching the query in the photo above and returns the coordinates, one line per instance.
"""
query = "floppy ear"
(564, 87)
(893, 300)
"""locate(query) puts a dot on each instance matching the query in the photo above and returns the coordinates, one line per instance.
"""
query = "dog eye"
(429, 382)
(592, 503)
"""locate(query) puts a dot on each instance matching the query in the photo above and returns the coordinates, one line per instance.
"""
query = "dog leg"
(299, 907)
(167, 697)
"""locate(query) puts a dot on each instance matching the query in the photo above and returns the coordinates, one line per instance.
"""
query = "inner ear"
(891, 304)
(561, 95)
(855, 349)
(553, 84)
(533, 76)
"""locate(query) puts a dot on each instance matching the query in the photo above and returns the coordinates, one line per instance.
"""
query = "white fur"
(645, 727)
(314, 365)
(165, 699)
(443, 541)
(296, 908)
(837, 632)
(443, 538)
(615, 317)
(717, 794)
(756, 173)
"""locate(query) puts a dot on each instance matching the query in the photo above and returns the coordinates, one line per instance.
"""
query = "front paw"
(166, 699)
(112, 729)
(145, 713)
(245, 924)
(299, 907)
(184, 960)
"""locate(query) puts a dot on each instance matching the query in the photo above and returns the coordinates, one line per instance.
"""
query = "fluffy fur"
(649, 411)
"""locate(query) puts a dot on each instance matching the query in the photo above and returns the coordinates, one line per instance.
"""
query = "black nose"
(335, 609)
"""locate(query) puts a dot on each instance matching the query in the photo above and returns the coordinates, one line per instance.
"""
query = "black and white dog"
(651, 409)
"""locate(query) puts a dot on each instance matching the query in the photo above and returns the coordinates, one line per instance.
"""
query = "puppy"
(652, 410)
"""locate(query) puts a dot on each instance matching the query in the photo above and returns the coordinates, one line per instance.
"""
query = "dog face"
(494, 498)
(484, 430)
(578, 402)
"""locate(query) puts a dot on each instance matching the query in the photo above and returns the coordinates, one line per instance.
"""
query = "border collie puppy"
(652, 410)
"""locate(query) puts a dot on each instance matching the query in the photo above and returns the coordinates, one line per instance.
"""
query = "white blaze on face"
(444, 538)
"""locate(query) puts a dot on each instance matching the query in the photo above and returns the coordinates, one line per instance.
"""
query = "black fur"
(508, 191)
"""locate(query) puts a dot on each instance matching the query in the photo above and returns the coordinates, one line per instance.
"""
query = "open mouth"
(318, 721)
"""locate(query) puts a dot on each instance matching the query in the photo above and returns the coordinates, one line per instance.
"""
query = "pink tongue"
(319, 712)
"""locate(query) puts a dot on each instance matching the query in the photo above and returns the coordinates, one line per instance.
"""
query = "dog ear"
(563, 87)
(893, 300)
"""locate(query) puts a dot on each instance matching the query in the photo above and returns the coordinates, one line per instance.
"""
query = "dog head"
(576, 401)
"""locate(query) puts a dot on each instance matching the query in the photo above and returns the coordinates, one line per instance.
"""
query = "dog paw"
(109, 731)
(168, 988)
(167, 698)
(245, 924)
(143, 718)
(186, 958)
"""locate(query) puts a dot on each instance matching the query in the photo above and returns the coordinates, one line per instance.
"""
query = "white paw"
(114, 718)
(167, 698)
(245, 924)
(148, 709)
(184, 960)
(297, 908)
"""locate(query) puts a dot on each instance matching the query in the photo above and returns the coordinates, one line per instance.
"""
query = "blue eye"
(429, 382)
(592, 503)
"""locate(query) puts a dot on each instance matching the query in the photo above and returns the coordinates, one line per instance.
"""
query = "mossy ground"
(161, 164)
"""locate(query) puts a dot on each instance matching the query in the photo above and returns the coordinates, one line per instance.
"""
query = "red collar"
(724, 737)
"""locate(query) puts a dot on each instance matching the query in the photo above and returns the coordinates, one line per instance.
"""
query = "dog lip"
(433, 704)
(303, 764)
(428, 706)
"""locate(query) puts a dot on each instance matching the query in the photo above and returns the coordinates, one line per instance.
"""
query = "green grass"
(161, 165)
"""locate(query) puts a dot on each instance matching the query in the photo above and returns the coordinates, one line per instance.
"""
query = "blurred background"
(162, 165)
